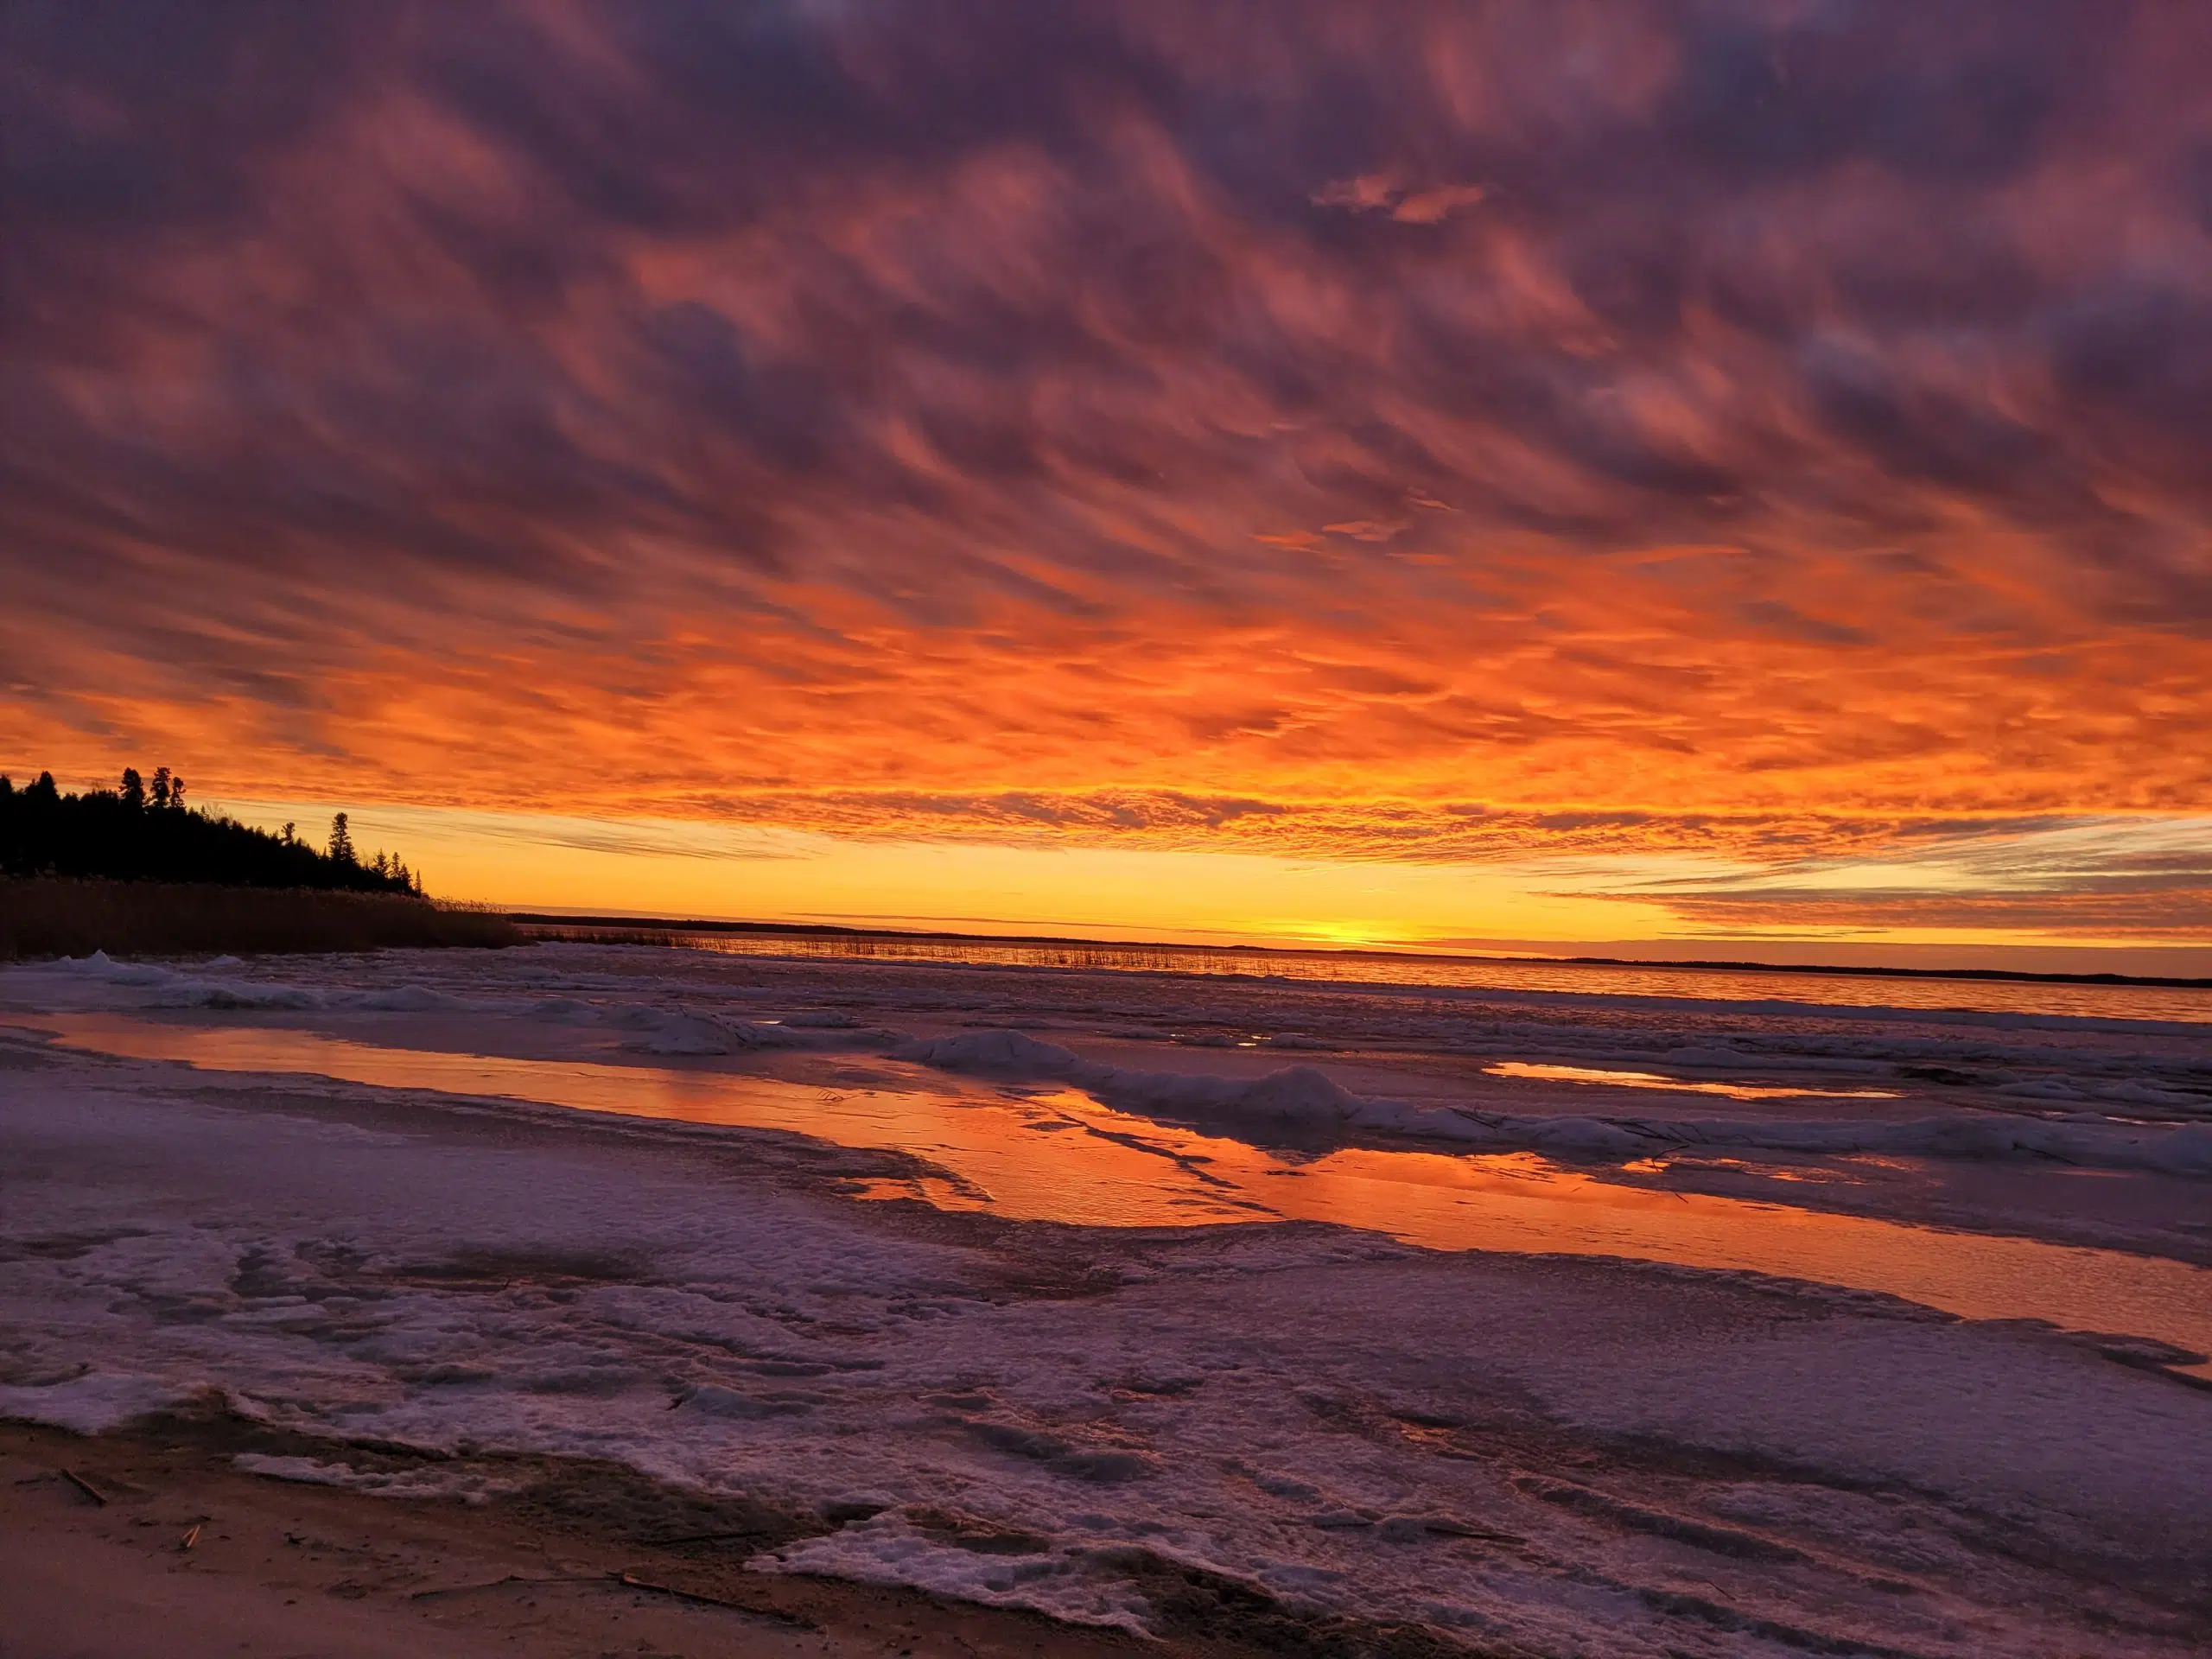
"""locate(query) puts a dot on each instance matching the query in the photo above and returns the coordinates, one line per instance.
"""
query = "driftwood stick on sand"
(494, 1584)
(722, 1537)
(631, 1582)
(626, 1580)
(86, 1487)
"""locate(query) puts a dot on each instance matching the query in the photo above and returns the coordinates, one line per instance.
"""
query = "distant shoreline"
(44, 917)
(816, 929)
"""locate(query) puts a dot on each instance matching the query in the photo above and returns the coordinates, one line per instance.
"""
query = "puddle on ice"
(1654, 1080)
(1062, 1156)
(1808, 1173)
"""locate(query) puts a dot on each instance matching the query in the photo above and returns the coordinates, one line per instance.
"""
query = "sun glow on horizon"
(698, 871)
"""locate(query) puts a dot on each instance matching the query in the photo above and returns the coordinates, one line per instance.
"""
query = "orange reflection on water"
(1654, 1080)
(1061, 1156)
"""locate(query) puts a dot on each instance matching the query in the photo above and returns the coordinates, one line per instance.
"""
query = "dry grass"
(557, 933)
(48, 917)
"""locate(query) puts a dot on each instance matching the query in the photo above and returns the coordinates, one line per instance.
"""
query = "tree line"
(143, 831)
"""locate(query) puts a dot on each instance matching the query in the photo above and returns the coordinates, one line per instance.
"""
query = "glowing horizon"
(679, 870)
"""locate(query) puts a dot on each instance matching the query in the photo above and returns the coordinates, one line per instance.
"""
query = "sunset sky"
(1702, 479)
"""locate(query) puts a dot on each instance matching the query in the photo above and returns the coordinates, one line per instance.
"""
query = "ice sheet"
(1576, 1455)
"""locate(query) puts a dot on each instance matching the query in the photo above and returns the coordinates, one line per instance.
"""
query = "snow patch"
(1305, 1097)
(1062, 1583)
(995, 1051)
(410, 999)
(444, 1481)
(93, 1403)
(565, 1011)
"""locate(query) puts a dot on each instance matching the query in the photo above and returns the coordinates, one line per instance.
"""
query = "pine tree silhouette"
(131, 833)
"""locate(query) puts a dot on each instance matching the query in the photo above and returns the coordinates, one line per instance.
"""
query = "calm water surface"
(1060, 1155)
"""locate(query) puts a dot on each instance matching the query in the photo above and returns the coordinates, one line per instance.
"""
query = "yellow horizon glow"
(678, 869)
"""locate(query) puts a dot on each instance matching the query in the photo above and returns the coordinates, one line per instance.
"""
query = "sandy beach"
(95, 1567)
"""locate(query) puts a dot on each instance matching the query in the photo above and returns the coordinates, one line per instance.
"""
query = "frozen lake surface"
(1595, 1321)
(1491, 975)
(1060, 1155)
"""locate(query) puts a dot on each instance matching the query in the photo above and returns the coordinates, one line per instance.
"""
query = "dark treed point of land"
(133, 870)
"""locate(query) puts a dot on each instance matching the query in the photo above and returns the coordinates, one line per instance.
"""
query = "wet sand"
(278, 1568)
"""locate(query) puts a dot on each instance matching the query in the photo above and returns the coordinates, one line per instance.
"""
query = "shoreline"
(45, 917)
(570, 1568)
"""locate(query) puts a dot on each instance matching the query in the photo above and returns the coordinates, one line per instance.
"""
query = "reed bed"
(564, 933)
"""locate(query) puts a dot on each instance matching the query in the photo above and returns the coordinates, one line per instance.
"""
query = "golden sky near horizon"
(1717, 472)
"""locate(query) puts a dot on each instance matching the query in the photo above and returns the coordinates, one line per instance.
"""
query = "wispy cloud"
(2147, 879)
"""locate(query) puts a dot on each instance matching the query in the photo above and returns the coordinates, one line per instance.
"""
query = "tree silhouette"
(111, 835)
